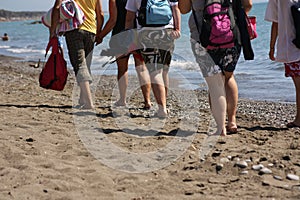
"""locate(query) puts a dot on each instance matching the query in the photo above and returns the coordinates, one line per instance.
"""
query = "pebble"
(281, 166)
(263, 159)
(270, 165)
(29, 140)
(244, 172)
(241, 164)
(257, 167)
(278, 178)
(219, 167)
(265, 170)
(292, 177)
(224, 160)
(236, 159)
(229, 157)
(286, 158)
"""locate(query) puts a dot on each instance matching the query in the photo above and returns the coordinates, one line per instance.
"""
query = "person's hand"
(99, 40)
(271, 54)
(175, 34)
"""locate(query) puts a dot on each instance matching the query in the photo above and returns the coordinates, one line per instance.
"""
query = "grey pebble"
(244, 172)
(292, 177)
(265, 170)
(224, 160)
(270, 165)
(241, 164)
(257, 167)
(219, 167)
(278, 178)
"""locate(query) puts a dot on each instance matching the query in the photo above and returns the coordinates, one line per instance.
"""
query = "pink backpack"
(218, 27)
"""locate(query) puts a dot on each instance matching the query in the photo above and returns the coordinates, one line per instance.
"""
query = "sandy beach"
(51, 150)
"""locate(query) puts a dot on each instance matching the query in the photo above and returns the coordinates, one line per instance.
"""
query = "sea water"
(259, 79)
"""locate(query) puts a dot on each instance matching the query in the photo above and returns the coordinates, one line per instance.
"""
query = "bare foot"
(88, 107)
(161, 114)
(147, 106)
(119, 103)
(217, 133)
(231, 128)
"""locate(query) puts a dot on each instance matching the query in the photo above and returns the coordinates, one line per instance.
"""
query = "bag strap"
(143, 4)
(195, 17)
(54, 44)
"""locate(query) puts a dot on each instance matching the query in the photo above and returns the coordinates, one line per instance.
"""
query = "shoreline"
(268, 109)
(44, 155)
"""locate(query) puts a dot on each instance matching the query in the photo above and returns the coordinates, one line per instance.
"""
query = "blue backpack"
(154, 13)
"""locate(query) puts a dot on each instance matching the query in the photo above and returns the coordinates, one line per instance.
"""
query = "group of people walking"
(152, 63)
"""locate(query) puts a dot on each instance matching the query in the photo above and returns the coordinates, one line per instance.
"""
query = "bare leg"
(166, 80)
(86, 95)
(145, 82)
(217, 99)
(158, 89)
(122, 80)
(297, 87)
(231, 89)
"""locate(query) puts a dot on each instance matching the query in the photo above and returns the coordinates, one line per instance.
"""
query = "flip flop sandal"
(231, 130)
(292, 125)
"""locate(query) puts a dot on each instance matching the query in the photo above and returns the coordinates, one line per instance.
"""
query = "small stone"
(278, 178)
(281, 166)
(219, 167)
(236, 159)
(270, 165)
(263, 159)
(229, 157)
(244, 172)
(224, 160)
(241, 164)
(29, 140)
(286, 158)
(257, 167)
(248, 160)
(188, 193)
(292, 177)
(265, 170)
(216, 154)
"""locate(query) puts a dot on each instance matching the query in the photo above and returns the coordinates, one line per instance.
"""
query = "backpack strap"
(196, 20)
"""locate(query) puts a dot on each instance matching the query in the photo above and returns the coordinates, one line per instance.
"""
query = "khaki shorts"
(80, 45)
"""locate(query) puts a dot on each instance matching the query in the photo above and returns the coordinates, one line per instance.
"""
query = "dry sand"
(51, 151)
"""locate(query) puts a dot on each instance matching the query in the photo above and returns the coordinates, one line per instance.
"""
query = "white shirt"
(280, 11)
(134, 6)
